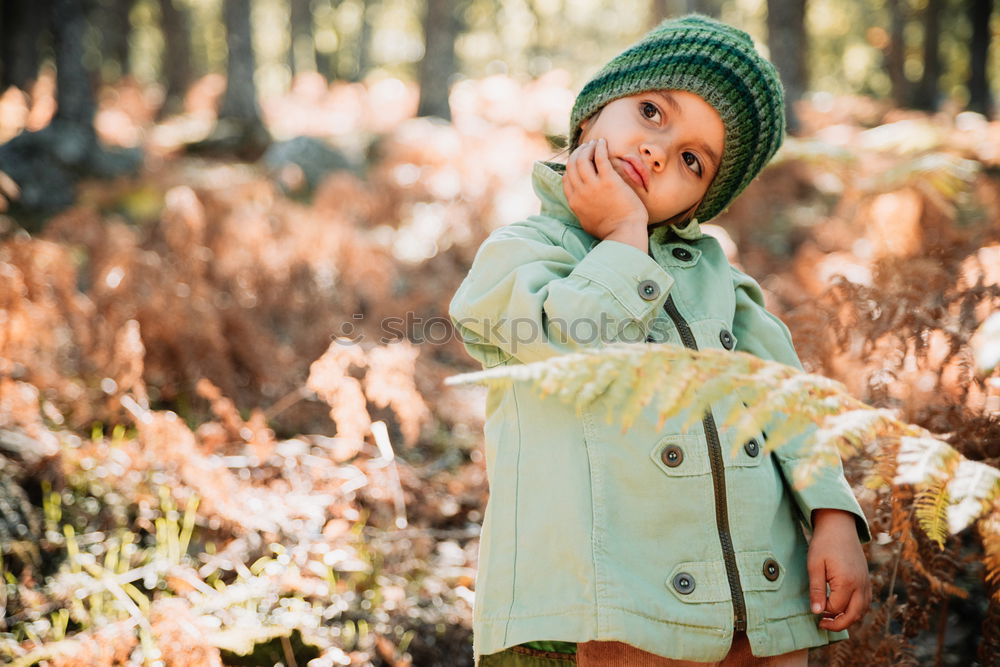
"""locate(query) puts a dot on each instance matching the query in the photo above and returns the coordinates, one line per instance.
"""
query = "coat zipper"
(718, 481)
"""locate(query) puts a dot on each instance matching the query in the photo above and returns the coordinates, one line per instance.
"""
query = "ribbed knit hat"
(717, 62)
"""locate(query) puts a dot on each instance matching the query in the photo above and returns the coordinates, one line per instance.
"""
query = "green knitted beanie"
(717, 62)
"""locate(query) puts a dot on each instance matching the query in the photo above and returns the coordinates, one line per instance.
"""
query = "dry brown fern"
(329, 376)
(989, 646)
(873, 643)
(989, 533)
(389, 382)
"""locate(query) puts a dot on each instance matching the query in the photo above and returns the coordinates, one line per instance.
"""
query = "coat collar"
(546, 179)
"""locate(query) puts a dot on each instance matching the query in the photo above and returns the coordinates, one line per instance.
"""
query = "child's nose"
(654, 156)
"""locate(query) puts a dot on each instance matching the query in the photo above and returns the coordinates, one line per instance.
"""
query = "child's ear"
(584, 124)
(589, 120)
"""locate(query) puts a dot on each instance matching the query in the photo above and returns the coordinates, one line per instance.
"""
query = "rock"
(300, 164)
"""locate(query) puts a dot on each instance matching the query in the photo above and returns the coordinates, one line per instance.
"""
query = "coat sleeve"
(760, 332)
(527, 297)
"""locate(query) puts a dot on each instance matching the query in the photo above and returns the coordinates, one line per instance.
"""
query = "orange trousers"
(619, 654)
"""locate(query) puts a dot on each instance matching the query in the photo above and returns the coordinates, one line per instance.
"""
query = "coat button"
(649, 290)
(770, 569)
(752, 447)
(682, 254)
(726, 338)
(684, 583)
(672, 456)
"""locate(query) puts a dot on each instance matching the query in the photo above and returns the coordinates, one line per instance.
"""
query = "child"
(656, 546)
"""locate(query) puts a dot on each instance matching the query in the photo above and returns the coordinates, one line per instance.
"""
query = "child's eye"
(693, 160)
(648, 108)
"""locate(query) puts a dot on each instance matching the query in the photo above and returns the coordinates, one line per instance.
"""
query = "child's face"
(665, 144)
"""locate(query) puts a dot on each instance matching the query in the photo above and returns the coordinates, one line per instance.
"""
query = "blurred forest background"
(229, 232)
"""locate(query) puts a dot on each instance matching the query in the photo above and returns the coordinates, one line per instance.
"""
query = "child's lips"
(633, 173)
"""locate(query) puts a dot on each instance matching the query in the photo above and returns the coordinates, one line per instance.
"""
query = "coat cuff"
(828, 489)
(630, 275)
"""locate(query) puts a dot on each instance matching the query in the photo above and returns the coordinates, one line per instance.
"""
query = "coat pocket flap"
(681, 455)
(760, 571)
(699, 581)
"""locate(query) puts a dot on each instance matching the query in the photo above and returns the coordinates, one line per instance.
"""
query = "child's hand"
(836, 556)
(605, 204)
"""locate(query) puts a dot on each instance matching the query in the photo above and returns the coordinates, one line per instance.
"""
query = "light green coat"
(655, 537)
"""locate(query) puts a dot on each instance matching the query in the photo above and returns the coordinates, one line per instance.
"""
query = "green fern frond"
(922, 460)
(788, 403)
(677, 380)
(941, 176)
(814, 151)
(973, 488)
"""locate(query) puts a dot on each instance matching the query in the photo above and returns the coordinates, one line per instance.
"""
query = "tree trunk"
(786, 37)
(328, 63)
(112, 25)
(979, 83)
(895, 53)
(239, 131)
(176, 64)
(363, 45)
(240, 99)
(927, 91)
(74, 92)
(535, 46)
(302, 46)
(707, 7)
(22, 27)
(441, 28)
(658, 11)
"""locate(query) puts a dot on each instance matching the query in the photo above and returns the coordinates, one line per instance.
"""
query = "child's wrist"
(830, 515)
(631, 232)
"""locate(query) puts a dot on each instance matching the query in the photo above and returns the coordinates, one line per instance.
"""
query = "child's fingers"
(572, 176)
(840, 596)
(567, 185)
(602, 163)
(574, 156)
(579, 170)
(855, 608)
(817, 584)
(585, 164)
